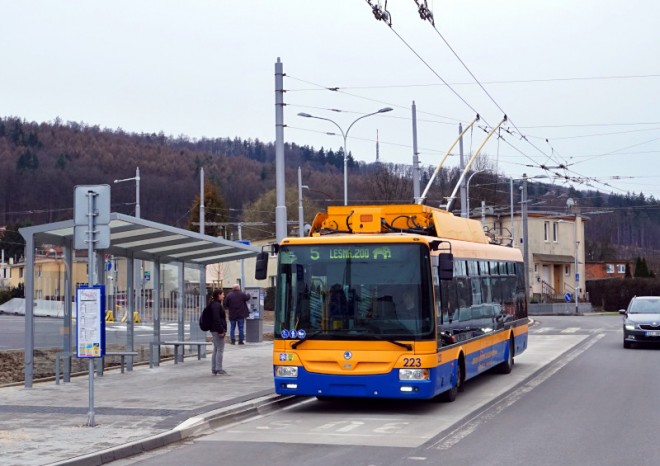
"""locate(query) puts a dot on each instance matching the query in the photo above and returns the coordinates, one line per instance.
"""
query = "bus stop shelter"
(135, 239)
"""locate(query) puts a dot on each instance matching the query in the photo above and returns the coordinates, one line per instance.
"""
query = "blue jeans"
(241, 329)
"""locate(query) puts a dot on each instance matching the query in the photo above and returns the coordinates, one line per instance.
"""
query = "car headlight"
(414, 374)
(286, 371)
(630, 325)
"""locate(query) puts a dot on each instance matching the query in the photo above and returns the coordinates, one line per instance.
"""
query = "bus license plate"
(654, 333)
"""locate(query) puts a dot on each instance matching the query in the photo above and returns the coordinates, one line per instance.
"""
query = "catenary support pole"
(416, 175)
(280, 208)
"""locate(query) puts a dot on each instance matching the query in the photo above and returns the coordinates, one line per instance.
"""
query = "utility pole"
(201, 201)
(280, 209)
(573, 208)
(301, 226)
(513, 231)
(523, 201)
(416, 188)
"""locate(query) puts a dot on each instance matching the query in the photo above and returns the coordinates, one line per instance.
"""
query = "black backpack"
(206, 319)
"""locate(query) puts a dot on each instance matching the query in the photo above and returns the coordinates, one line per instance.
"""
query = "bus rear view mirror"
(261, 270)
(446, 266)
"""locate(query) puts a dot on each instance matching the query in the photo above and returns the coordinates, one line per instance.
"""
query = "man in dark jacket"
(236, 304)
(218, 331)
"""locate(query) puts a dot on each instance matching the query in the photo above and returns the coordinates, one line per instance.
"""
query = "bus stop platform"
(133, 411)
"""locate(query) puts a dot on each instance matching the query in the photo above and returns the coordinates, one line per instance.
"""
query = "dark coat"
(236, 304)
(219, 319)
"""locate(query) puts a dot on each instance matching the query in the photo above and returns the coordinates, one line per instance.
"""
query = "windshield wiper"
(311, 335)
(372, 337)
(391, 340)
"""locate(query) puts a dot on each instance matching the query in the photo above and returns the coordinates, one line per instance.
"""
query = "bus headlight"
(286, 371)
(414, 374)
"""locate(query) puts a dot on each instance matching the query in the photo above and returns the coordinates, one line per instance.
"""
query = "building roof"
(554, 258)
(146, 240)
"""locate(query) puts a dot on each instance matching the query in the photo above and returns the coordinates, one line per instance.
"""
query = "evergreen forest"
(41, 163)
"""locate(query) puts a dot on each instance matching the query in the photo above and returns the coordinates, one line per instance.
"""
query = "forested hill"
(41, 163)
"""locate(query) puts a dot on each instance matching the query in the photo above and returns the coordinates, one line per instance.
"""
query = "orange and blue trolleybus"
(394, 301)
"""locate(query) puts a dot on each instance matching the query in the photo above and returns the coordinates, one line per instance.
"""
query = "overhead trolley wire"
(427, 15)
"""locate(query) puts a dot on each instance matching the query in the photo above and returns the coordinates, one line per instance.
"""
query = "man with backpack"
(236, 304)
(218, 328)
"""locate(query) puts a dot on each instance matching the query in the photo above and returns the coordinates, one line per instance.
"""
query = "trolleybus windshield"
(354, 291)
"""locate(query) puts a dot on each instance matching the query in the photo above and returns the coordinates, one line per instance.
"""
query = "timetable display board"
(90, 322)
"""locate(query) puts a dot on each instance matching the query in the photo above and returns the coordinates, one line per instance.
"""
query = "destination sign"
(351, 252)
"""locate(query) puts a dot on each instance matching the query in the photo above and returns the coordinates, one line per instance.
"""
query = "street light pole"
(301, 226)
(467, 192)
(344, 135)
(137, 189)
(577, 274)
(571, 205)
(137, 267)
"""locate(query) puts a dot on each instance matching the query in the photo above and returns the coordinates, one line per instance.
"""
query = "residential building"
(554, 241)
(607, 269)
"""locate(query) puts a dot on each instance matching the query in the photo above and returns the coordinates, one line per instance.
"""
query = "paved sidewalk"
(134, 411)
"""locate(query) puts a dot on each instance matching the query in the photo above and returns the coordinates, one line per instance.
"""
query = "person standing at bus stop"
(236, 304)
(218, 331)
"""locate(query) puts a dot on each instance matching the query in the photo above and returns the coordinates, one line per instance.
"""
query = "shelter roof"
(146, 240)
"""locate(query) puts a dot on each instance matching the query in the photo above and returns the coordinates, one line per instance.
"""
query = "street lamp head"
(385, 110)
(306, 115)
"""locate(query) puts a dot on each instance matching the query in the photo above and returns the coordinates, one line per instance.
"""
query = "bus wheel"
(506, 366)
(450, 395)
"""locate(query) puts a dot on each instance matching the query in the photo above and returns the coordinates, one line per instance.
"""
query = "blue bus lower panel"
(491, 356)
(442, 378)
(367, 386)
(520, 343)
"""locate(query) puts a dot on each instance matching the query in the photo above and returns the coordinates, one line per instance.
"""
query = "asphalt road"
(576, 397)
(48, 332)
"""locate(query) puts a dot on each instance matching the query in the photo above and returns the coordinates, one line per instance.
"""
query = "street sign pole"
(90, 283)
(91, 231)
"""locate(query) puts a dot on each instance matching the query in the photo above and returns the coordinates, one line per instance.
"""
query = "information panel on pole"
(90, 322)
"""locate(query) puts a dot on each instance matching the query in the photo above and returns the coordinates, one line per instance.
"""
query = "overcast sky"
(579, 81)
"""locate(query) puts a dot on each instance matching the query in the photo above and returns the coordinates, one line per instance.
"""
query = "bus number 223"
(412, 362)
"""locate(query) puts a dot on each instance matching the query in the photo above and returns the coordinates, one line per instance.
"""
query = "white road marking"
(570, 330)
(542, 330)
(310, 422)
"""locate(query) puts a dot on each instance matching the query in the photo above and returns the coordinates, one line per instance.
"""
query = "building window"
(621, 268)
(546, 231)
(567, 270)
(609, 268)
(555, 231)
